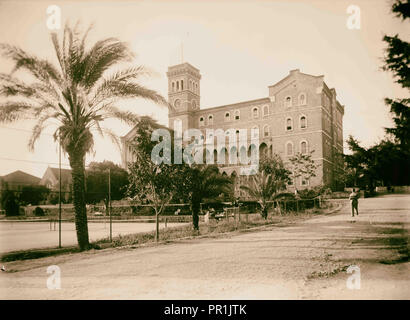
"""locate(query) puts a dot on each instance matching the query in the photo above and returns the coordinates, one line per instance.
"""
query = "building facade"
(299, 114)
(51, 180)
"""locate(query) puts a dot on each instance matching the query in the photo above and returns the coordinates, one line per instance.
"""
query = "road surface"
(308, 260)
(20, 235)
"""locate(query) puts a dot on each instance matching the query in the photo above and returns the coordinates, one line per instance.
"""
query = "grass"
(213, 229)
(36, 253)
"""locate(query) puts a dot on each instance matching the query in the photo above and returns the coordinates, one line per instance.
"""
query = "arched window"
(201, 121)
(303, 147)
(237, 114)
(289, 124)
(173, 86)
(303, 122)
(255, 113)
(266, 131)
(227, 116)
(210, 119)
(177, 85)
(302, 99)
(288, 101)
(289, 149)
(265, 111)
(182, 84)
(190, 84)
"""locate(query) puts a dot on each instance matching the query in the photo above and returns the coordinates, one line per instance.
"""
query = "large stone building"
(299, 114)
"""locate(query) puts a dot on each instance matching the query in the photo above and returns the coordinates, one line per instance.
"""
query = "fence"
(180, 212)
(297, 205)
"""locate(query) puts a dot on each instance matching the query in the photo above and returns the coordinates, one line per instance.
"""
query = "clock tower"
(183, 94)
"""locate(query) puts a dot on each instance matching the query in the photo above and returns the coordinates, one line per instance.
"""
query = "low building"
(17, 180)
(51, 180)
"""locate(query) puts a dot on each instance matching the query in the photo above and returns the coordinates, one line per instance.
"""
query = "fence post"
(284, 205)
(297, 205)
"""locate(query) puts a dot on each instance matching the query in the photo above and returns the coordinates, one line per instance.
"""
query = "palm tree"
(77, 94)
(262, 187)
(266, 185)
(206, 182)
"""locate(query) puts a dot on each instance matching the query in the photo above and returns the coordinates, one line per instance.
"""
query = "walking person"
(354, 201)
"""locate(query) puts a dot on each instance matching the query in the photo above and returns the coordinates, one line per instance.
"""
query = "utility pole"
(59, 194)
(109, 201)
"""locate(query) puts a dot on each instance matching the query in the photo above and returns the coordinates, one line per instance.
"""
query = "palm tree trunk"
(78, 176)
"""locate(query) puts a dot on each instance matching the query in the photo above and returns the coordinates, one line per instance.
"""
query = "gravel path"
(307, 260)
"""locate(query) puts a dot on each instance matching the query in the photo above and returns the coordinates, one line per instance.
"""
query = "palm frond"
(126, 90)
(113, 137)
(124, 116)
(38, 129)
(41, 69)
(101, 56)
(11, 111)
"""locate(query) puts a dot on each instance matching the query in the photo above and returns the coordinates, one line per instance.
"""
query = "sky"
(240, 47)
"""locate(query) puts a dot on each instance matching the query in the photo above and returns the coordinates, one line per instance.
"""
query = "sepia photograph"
(214, 151)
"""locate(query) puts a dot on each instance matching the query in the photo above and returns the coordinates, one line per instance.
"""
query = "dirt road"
(307, 260)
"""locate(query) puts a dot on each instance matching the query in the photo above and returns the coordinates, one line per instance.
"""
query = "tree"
(97, 182)
(268, 182)
(345, 175)
(33, 194)
(360, 163)
(9, 203)
(151, 182)
(202, 182)
(382, 163)
(303, 166)
(397, 60)
(79, 95)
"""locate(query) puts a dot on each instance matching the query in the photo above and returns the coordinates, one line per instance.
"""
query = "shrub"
(52, 198)
(33, 194)
(10, 204)
(39, 212)
(308, 193)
